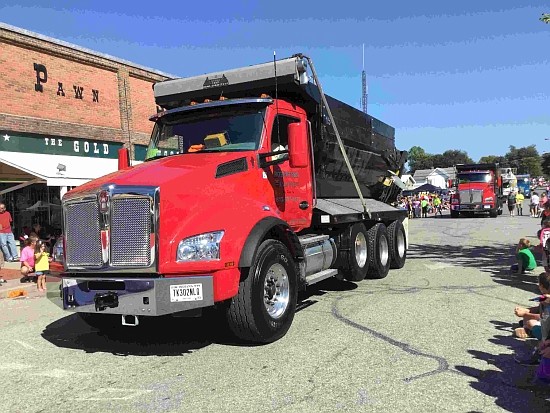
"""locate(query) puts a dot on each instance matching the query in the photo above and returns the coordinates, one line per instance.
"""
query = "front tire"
(379, 253)
(454, 214)
(263, 309)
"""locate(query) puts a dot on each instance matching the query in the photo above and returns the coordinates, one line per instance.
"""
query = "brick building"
(64, 113)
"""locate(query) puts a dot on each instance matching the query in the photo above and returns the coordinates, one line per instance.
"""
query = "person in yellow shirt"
(519, 202)
(437, 205)
(41, 265)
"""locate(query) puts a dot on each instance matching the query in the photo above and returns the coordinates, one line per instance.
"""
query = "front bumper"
(472, 208)
(132, 296)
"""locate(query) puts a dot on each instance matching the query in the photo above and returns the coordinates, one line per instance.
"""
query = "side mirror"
(123, 159)
(298, 145)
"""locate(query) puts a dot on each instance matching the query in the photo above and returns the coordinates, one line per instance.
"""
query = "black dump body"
(369, 142)
(478, 167)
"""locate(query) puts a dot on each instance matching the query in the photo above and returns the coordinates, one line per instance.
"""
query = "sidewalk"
(10, 273)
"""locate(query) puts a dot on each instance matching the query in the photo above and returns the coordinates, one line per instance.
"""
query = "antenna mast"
(364, 95)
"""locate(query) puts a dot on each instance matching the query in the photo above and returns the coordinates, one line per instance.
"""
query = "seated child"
(526, 260)
(544, 237)
(532, 316)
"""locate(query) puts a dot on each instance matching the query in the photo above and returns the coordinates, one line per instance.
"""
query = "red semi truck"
(478, 190)
(255, 185)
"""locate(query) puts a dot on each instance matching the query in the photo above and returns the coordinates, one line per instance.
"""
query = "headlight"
(204, 247)
(490, 199)
(58, 251)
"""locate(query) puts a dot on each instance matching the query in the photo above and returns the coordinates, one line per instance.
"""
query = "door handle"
(304, 205)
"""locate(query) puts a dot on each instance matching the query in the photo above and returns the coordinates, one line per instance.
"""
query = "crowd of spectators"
(424, 205)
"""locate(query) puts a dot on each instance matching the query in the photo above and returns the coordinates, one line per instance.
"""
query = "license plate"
(186, 292)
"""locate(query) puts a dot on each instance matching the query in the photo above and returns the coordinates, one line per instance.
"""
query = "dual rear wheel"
(371, 253)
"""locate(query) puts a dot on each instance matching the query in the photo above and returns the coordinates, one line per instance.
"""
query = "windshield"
(209, 131)
(464, 178)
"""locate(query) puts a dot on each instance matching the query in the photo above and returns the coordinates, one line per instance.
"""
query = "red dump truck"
(255, 185)
(478, 190)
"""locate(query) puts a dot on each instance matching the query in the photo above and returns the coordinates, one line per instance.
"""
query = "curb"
(13, 285)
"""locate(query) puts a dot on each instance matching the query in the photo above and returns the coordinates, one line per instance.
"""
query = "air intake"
(233, 167)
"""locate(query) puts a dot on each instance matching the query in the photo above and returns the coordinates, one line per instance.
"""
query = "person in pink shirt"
(27, 258)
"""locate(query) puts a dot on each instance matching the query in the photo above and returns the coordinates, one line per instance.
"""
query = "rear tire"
(397, 240)
(355, 259)
(455, 214)
(379, 252)
(263, 309)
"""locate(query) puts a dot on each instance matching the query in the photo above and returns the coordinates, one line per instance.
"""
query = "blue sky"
(468, 75)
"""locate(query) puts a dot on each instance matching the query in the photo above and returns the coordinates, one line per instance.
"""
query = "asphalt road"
(434, 336)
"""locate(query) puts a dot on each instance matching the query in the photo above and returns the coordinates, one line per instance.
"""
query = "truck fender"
(279, 229)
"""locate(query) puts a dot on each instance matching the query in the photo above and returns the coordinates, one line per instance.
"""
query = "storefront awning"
(59, 170)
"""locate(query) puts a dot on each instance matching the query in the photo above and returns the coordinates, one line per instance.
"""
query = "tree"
(452, 157)
(527, 160)
(545, 18)
(546, 163)
(501, 160)
(419, 159)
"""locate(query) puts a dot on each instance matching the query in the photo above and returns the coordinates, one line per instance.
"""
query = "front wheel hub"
(276, 291)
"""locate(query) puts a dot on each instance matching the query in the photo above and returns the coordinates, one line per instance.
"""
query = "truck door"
(292, 188)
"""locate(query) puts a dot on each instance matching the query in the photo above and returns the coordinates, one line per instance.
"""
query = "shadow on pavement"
(510, 383)
(164, 336)
(493, 259)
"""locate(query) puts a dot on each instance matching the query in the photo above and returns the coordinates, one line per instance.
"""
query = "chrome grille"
(131, 231)
(476, 196)
(83, 239)
(471, 196)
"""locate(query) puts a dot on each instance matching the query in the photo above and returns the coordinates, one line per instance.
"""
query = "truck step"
(312, 239)
(320, 276)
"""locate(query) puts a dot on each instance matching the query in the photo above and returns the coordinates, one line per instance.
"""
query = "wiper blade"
(152, 158)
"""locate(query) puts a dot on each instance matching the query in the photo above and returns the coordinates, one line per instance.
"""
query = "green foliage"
(527, 160)
(546, 163)
(453, 157)
(419, 159)
(545, 18)
(501, 160)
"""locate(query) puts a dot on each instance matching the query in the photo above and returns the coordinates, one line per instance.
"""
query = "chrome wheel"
(276, 291)
(361, 249)
(401, 244)
(384, 251)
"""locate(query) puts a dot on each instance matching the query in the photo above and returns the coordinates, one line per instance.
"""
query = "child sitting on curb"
(531, 316)
(544, 246)
(526, 260)
(543, 370)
